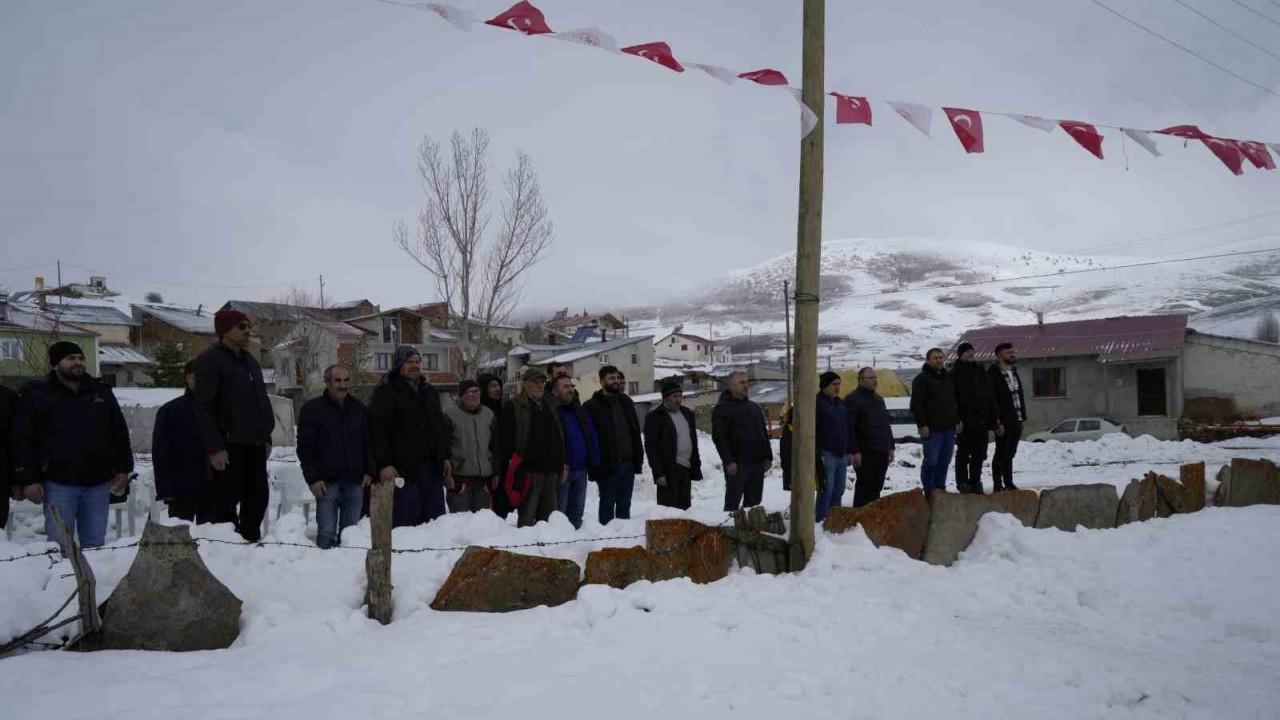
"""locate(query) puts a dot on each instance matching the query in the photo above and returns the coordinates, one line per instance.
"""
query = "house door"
(1151, 392)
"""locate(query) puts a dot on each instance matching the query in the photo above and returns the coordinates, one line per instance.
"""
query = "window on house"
(633, 388)
(128, 376)
(699, 348)
(1049, 382)
(382, 361)
(431, 361)
(10, 349)
(391, 330)
(635, 359)
(684, 346)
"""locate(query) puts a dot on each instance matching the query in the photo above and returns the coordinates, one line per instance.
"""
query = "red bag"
(516, 482)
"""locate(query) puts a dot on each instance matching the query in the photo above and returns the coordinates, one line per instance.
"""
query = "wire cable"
(1268, 18)
(1228, 30)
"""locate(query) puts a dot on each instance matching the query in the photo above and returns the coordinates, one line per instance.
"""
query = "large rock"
(953, 519)
(900, 520)
(1192, 476)
(1069, 506)
(618, 567)
(1251, 482)
(488, 580)
(168, 600)
(685, 548)
(1140, 501)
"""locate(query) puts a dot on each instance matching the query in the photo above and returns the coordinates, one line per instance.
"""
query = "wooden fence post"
(377, 563)
(90, 621)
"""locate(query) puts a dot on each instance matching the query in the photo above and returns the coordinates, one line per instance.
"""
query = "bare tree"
(479, 278)
(1268, 329)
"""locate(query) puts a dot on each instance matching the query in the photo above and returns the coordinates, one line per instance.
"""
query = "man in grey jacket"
(471, 436)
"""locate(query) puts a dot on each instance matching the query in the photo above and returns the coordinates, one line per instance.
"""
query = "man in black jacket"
(8, 409)
(870, 437)
(742, 441)
(336, 453)
(71, 446)
(977, 415)
(621, 451)
(933, 404)
(178, 457)
(235, 420)
(410, 440)
(671, 442)
(530, 430)
(1011, 412)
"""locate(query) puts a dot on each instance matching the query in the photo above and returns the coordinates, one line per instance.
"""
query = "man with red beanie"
(235, 422)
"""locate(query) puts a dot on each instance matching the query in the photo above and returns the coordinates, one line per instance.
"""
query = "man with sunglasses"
(235, 421)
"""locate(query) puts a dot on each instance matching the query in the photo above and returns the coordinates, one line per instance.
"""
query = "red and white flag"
(658, 52)
(968, 127)
(1085, 134)
(1227, 152)
(1143, 138)
(723, 74)
(1190, 132)
(767, 76)
(1257, 154)
(455, 16)
(589, 36)
(852, 110)
(522, 17)
(920, 117)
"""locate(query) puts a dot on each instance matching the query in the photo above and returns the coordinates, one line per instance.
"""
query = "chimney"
(1040, 318)
(201, 307)
(4, 305)
(39, 293)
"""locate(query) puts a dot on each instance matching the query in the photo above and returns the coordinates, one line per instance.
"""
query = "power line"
(1178, 233)
(1228, 30)
(1268, 18)
(188, 284)
(1184, 48)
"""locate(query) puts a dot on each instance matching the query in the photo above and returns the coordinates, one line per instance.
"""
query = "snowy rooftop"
(1116, 339)
(121, 355)
(589, 349)
(79, 312)
(185, 319)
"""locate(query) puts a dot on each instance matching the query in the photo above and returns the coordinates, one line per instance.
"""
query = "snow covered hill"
(889, 299)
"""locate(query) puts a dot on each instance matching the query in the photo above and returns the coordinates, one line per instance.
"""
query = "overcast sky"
(188, 146)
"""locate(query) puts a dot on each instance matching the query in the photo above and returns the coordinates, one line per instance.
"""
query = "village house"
(1145, 372)
(441, 354)
(564, 328)
(351, 308)
(689, 348)
(313, 345)
(273, 321)
(24, 344)
(633, 356)
(189, 330)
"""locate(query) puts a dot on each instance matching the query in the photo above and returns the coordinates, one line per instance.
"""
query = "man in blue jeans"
(336, 455)
(71, 446)
(581, 449)
(833, 444)
(937, 416)
(621, 450)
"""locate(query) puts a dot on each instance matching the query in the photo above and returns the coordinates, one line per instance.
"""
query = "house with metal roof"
(311, 346)
(631, 355)
(688, 347)
(1145, 372)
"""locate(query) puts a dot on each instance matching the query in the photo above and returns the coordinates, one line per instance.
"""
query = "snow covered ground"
(1146, 621)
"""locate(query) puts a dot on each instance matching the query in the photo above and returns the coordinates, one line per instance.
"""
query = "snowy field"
(1164, 619)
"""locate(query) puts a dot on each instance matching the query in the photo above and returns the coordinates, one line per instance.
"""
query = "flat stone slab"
(1250, 482)
(488, 580)
(900, 520)
(1192, 476)
(953, 519)
(686, 548)
(1093, 506)
(617, 567)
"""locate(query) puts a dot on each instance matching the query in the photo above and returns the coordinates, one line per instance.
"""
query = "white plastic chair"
(20, 508)
(292, 488)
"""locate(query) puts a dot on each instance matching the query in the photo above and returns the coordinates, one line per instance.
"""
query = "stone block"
(953, 519)
(488, 580)
(1251, 482)
(900, 520)
(686, 548)
(617, 567)
(1192, 476)
(1092, 506)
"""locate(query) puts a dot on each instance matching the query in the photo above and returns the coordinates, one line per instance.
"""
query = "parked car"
(1077, 429)
(904, 424)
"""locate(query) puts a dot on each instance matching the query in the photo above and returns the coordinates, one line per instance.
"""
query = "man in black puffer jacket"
(742, 441)
(621, 450)
(870, 437)
(933, 404)
(977, 416)
(8, 408)
(410, 440)
(336, 454)
(178, 457)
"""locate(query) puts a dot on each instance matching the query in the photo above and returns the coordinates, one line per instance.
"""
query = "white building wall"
(1246, 371)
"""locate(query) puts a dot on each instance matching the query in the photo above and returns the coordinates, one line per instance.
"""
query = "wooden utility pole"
(786, 309)
(808, 259)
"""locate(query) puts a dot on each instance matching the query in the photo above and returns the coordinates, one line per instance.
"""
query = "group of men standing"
(852, 431)
(956, 409)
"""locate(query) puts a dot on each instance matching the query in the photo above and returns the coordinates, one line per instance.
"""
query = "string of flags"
(967, 124)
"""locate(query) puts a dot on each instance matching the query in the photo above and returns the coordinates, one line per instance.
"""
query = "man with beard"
(933, 404)
(410, 441)
(742, 441)
(1011, 413)
(581, 449)
(621, 449)
(977, 407)
(71, 446)
(336, 454)
(531, 449)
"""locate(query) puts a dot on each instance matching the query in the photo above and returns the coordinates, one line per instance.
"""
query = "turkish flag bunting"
(1190, 132)
(523, 17)
(852, 110)
(765, 77)
(1257, 154)
(1085, 134)
(658, 52)
(968, 127)
(1227, 152)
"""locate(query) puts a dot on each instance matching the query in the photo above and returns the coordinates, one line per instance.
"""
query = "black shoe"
(997, 487)
(1010, 486)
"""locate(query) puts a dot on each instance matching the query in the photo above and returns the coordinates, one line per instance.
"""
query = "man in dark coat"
(581, 449)
(8, 409)
(742, 441)
(977, 405)
(671, 443)
(235, 420)
(178, 457)
(410, 440)
(491, 396)
(531, 446)
(933, 404)
(871, 443)
(833, 444)
(1011, 413)
(621, 449)
(71, 446)
(335, 449)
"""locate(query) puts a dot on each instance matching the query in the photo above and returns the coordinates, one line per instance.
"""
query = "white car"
(1077, 429)
(904, 424)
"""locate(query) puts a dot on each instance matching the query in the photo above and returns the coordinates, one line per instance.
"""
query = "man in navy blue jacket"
(833, 444)
(336, 454)
(581, 449)
(178, 456)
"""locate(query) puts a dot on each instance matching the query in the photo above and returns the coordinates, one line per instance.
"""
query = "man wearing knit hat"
(833, 444)
(71, 446)
(410, 440)
(470, 425)
(671, 443)
(235, 421)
